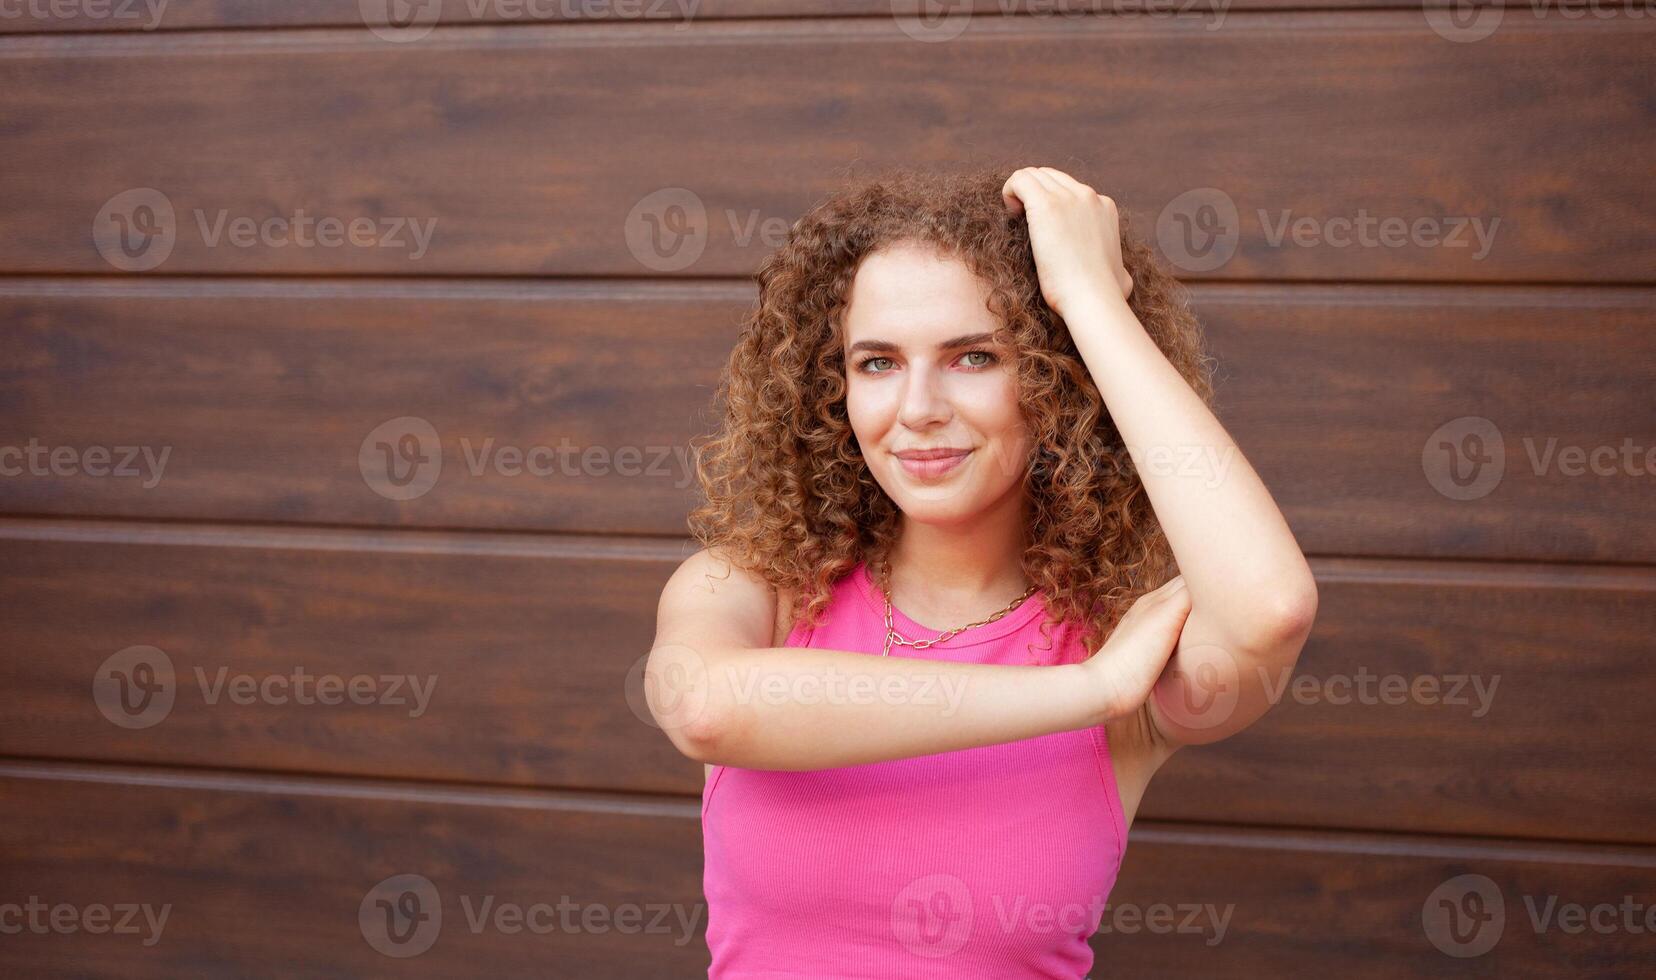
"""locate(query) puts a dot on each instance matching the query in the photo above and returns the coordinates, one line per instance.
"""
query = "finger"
(1065, 180)
(1009, 192)
(1172, 592)
(1160, 593)
(1045, 179)
(1021, 189)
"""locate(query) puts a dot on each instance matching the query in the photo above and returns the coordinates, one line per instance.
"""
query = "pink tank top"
(990, 862)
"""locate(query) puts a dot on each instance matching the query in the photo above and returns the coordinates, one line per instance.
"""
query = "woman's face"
(924, 374)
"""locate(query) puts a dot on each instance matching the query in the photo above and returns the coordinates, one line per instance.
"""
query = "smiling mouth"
(931, 464)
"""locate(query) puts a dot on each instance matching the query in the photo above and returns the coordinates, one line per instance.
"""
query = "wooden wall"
(1459, 435)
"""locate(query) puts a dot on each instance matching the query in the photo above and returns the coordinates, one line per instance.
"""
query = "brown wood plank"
(248, 864)
(42, 16)
(483, 662)
(536, 151)
(1455, 422)
(1464, 699)
(1356, 905)
(525, 647)
(561, 408)
(262, 396)
(268, 877)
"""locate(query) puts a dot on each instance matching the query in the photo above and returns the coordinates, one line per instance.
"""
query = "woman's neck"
(942, 572)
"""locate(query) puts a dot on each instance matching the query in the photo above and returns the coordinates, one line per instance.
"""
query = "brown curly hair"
(787, 493)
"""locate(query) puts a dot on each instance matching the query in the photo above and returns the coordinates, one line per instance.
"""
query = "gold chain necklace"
(892, 635)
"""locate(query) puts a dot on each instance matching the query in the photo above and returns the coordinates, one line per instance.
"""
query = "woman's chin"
(937, 505)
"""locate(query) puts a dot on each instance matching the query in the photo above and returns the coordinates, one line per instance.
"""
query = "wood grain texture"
(524, 658)
(306, 254)
(530, 649)
(537, 150)
(552, 407)
(1461, 698)
(249, 865)
(1457, 422)
(45, 16)
(267, 877)
(572, 407)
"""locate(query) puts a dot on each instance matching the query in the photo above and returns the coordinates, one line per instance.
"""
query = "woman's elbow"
(676, 693)
(702, 739)
(1292, 620)
(1279, 627)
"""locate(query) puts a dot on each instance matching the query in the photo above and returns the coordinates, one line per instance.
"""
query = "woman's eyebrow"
(966, 340)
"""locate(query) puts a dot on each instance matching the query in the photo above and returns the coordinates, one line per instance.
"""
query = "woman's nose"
(924, 401)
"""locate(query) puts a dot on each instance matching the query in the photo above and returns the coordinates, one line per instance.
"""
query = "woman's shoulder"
(708, 593)
(710, 576)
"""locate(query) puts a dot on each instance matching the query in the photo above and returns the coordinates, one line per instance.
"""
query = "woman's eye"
(871, 365)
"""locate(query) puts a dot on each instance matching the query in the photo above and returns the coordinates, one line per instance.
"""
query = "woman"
(929, 650)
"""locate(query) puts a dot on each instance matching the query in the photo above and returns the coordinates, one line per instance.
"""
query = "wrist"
(1098, 310)
(1095, 691)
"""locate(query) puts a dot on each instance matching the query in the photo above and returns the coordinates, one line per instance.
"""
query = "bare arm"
(724, 696)
(1252, 593)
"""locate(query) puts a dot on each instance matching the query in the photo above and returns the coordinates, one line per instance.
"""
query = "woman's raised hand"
(1075, 234)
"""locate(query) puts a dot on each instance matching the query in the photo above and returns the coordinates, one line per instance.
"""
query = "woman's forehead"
(914, 297)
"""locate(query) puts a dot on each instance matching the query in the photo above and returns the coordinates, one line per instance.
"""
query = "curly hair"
(787, 494)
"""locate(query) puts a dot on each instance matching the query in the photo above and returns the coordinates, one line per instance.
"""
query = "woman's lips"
(931, 469)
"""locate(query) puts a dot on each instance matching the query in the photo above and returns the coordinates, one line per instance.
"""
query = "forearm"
(1244, 569)
(798, 708)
